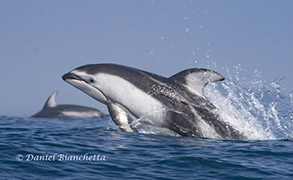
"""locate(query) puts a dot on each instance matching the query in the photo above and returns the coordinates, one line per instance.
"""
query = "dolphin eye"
(92, 80)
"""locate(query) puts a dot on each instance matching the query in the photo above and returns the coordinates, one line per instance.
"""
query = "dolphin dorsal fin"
(196, 79)
(51, 102)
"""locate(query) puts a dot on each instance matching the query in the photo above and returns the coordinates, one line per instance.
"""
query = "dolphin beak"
(69, 76)
(84, 86)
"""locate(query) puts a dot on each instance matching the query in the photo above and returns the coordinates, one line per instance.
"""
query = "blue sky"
(41, 40)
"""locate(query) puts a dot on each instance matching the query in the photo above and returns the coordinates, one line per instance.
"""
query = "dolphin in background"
(175, 104)
(53, 110)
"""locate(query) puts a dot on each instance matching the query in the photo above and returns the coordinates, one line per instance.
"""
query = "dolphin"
(134, 96)
(53, 110)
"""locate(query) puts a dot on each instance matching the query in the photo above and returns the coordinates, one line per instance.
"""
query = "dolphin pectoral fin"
(119, 115)
(196, 79)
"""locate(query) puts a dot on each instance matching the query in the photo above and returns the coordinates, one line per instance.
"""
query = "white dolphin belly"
(139, 103)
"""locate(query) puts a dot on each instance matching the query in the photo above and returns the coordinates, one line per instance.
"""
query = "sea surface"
(34, 148)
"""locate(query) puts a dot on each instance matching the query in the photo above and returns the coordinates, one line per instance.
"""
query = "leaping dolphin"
(176, 103)
(53, 110)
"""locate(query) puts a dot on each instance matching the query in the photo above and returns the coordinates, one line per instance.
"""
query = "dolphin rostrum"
(176, 103)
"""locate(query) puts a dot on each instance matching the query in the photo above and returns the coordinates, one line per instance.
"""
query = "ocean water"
(96, 149)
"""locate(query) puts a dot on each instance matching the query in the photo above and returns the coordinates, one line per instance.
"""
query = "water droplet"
(187, 29)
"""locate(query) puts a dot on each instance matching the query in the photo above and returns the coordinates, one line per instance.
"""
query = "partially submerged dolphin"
(176, 103)
(53, 110)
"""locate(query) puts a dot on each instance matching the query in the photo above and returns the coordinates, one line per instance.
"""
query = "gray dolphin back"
(53, 110)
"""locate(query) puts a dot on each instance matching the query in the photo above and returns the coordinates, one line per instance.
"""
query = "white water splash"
(258, 111)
